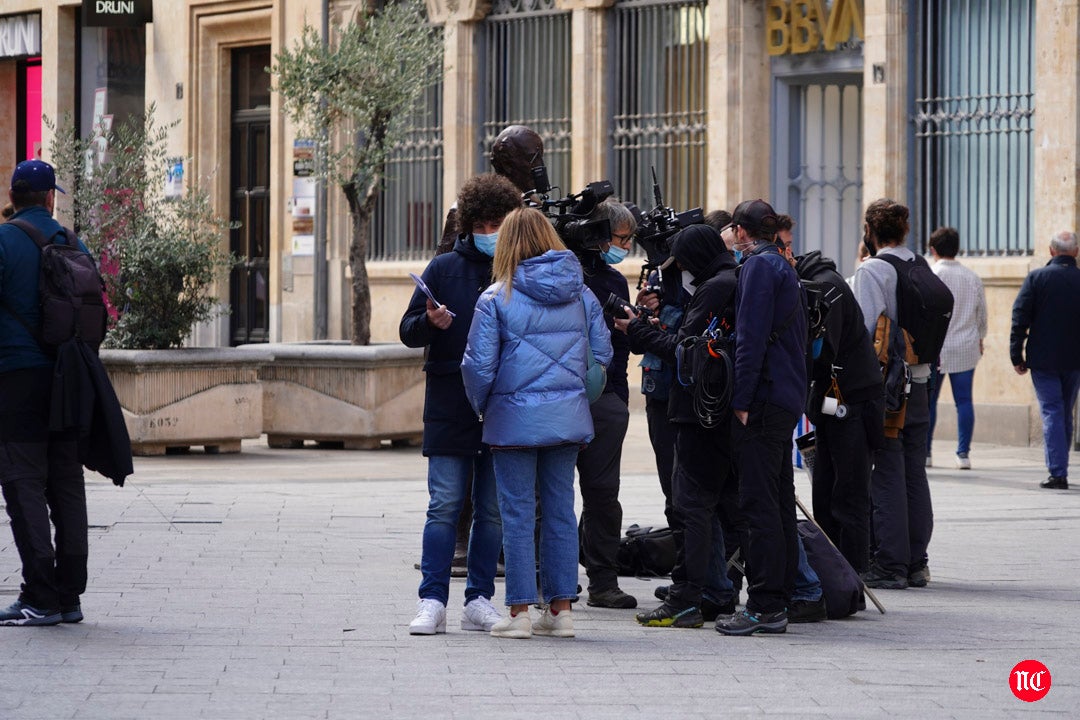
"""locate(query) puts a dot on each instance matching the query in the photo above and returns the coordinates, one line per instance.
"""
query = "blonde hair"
(524, 233)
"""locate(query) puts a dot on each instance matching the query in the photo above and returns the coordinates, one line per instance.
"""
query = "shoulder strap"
(39, 238)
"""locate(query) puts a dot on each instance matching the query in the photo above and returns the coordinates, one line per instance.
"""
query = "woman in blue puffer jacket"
(524, 372)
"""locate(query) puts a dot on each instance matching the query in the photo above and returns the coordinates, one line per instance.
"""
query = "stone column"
(460, 91)
(739, 104)
(885, 109)
(57, 80)
(589, 23)
(1057, 114)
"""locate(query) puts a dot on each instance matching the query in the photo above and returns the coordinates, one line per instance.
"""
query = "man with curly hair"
(452, 431)
(902, 515)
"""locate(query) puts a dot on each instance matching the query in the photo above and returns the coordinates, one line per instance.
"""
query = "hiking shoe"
(19, 613)
(668, 616)
(749, 622)
(918, 577)
(479, 614)
(71, 613)
(611, 598)
(962, 461)
(1055, 483)
(517, 626)
(807, 611)
(879, 579)
(552, 625)
(430, 618)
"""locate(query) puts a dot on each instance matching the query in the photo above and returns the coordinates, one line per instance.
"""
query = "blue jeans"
(965, 410)
(448, 476)
(807, 582)
(1057, 398)
(522, 474)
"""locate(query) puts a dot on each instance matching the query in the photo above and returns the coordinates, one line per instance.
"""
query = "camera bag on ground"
(839, 581)
(70, 291)
(646, 552)
(924, 305)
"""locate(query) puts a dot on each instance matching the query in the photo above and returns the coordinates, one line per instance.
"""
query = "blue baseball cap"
(34, 176)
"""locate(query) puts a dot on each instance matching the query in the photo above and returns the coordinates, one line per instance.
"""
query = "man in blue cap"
(40, 472)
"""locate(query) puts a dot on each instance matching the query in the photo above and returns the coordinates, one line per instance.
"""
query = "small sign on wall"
(174, 178)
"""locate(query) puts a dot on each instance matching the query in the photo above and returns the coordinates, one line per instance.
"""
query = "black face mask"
(869, 244)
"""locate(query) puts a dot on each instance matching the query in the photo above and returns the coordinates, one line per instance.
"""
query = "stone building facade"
(818, 105)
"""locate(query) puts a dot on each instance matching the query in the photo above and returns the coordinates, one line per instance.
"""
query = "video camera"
(570, 215)
(655, 230)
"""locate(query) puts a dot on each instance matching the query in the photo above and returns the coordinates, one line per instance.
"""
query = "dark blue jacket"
(1047, 314)
(20, 264)
(456, 279)
(604, 280)
(769, 302)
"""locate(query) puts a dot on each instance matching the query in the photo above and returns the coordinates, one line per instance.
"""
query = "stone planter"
(347, 395)
(191, 396)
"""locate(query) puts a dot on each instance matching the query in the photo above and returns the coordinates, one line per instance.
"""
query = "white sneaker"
(963, 462)
(513, 626)
(561, 625)
(430, 618)
(480, 614)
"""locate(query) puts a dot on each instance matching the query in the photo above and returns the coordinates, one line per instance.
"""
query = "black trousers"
(703, 488)
(662, 439)
(598, 477)
(42, 480)
(841, 489)
(767, 500)
(902, 511)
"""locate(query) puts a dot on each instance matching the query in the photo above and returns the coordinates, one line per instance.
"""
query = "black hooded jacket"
(847, 344)
(699, 250)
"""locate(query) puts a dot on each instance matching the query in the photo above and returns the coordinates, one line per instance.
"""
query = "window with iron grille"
(973, 117)
(659, 62)
(408, 218)
(525, 80)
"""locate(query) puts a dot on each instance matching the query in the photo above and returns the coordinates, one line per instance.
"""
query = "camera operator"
(515, 152)
(598, 464)
(846, 406)
(701, 478)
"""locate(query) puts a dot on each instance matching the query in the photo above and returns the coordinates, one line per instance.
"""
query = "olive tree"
(354, 94)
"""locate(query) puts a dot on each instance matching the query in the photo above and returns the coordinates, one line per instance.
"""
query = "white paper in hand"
(427, 291)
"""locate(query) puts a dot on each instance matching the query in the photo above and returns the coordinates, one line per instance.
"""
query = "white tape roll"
(828, 406)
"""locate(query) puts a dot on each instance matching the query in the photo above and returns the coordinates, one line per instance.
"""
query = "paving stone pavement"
(280, 583)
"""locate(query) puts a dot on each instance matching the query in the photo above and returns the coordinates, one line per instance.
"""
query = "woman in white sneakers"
(524, 371)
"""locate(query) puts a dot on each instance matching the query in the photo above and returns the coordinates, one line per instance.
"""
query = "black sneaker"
(19, 613)
(749, 622)
(71, 613)
(611, 598)
(667, 616)
(807, 611)
(879, 579)
(1055, 483)
(918, 577)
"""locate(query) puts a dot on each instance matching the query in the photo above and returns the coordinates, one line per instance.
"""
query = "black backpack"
(924, 305)
(839, 582)
(70, 291)
(646, 552)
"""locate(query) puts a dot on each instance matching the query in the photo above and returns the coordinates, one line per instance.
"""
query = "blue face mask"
(614, 255)
(485, 243)
(738, 256)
